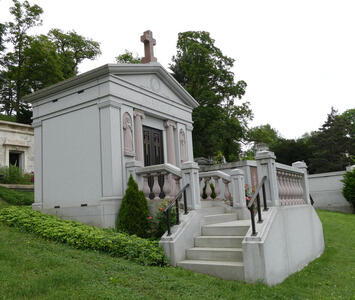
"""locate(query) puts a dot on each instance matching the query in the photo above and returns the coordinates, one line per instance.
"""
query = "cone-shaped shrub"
(133, 215)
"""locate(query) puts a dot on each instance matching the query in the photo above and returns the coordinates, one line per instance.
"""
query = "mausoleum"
(94, 130)
(17, 145)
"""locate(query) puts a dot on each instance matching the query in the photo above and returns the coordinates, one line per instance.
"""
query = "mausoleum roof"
(116, 69)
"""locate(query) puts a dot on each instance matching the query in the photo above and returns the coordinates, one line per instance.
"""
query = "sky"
(297, 57)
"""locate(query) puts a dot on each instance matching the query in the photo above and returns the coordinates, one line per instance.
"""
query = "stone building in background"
(16, 145)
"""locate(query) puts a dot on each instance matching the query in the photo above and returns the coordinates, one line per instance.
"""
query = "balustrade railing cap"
(299, 165)
(189, 165)
(264, 154)
(237, 172)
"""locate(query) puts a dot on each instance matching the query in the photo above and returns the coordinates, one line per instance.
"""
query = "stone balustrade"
(160, 181)
(290, 182)
(218, 177)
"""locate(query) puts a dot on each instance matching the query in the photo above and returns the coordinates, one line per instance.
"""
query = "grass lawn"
(31, 268)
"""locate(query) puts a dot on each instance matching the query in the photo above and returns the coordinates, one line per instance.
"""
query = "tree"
(128, 58)
(334, 143)
(35, 62)
(133, 215)
(13, 83)
(263, 134)
(73, 49)
(202, 69)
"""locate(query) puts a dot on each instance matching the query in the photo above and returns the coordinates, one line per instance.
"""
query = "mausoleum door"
(153, 146)
(153, 154)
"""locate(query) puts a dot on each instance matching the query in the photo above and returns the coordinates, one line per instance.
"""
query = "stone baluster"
(156, 187)
(227, 194)
(208, 190)
(217, 189)
(177, 183)
(166, 185)
(201, 187)
(146, 188)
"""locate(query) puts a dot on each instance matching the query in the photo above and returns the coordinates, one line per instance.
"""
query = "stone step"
(238, 228)
(219, 241)
(219, 218)
(215, 254)
(212, 210)
(223, 269)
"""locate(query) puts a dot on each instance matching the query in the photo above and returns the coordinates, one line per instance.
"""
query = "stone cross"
(149, 42)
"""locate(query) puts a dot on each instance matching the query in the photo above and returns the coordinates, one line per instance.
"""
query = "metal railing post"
(264, 197)
(185, 203)
(251, 209)
(260, 220)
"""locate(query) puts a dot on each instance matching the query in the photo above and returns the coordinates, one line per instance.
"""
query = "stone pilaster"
(170, 141)
(238, 193)
(266, 167)
(303, 166)
(190, 175)
(38, 184)
(138, 134)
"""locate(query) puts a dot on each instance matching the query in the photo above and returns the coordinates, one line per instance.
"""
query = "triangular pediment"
(152, 83)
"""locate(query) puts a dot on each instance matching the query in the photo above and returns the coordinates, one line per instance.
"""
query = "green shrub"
(16, 197)
(14, 175)
(349, 187)
(159, 222)
(133, 215)
(82, 236)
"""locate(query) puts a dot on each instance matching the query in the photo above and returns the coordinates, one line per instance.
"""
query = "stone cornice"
(134, 69)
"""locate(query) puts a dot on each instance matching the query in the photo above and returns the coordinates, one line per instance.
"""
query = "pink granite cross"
(149, 42)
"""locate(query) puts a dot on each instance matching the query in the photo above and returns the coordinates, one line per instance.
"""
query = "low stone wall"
(326, 191)
(19, 187)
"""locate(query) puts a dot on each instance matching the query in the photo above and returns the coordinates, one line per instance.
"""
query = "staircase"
(218, 251)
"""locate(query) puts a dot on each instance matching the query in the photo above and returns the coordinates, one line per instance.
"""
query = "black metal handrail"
(176, 203)
(256, 196)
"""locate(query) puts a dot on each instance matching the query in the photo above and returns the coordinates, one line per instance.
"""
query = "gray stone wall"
(325, 189)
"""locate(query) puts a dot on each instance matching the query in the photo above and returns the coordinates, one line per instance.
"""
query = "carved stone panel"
(182, 142)
(128, 135)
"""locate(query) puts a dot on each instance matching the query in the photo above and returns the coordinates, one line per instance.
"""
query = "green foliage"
(263, 134)
(7, 118)
(35, 62)
(55, 271)
(159, 222)
(219, 158)
(349, 187)
(128, 58)
(202, 69)
(334, 143)
(14, 175)
(81, 236)
(72, 49)
(133, 215)
(16, 197)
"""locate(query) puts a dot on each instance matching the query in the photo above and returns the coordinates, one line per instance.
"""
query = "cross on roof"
(149, 42)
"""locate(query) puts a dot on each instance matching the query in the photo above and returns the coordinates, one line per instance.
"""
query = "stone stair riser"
(221, 255)
(218, 242)
(223, 231)
(212, 219)
(223, 271)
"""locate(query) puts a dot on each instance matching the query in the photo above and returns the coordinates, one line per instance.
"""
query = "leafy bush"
(133, 215)
(16, 197)
(349, 187)
(159, 222)
(82, 236)
(14, 175)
